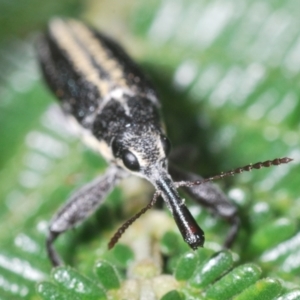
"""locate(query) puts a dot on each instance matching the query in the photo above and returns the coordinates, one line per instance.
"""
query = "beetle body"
(102, 90)
(117, 109)
(98, 85)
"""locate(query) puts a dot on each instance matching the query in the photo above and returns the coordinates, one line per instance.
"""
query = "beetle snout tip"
(195, 241)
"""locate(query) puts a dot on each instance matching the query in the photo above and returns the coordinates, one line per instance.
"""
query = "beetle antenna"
(250, 167)
(125, 226)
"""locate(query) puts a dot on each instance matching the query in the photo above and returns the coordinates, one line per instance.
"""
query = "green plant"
(229, 91)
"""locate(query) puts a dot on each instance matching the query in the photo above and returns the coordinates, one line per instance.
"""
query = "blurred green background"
(228, 76)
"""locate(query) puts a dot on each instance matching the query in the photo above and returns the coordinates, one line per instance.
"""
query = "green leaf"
(263, 289)
(272, 234)
(107, 275)
(186, 266)
(170, 243)
(122, 255)
(234, 282)
(173, 295)
(208, 271)
(49, 291)
(68, 279)
(293, 295)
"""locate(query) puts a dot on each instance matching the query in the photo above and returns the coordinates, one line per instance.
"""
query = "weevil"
(105, 94)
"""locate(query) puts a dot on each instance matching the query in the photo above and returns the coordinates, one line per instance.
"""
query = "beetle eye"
(130, 161)
(166, 145)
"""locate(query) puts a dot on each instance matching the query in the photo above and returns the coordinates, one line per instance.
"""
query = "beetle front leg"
(80, 205)
(210, 196)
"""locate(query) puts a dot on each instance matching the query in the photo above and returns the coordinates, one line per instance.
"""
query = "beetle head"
(141, 151)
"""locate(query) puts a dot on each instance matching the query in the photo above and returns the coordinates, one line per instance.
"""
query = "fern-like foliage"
(228, 76)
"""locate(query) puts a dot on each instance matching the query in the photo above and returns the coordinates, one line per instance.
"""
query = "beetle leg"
(80, 205)
(210, 196)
